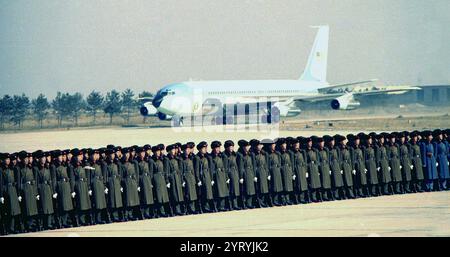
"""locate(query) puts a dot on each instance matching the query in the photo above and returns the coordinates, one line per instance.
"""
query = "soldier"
(46, 190)
(160, 181)
(324, 169)
(261, 172)
(300, 169)
(188, 174)
(219, 177)
(130, 183)
(28, 189)
(114, 189)
(173, 171)
(245, 165)
(405, 161)
(335, 166)
(417, 172)
(61, 179)
(231, 166)
(80, 187)
(371, 163)
(383, 164)
(204, 180)
(99, 190)
(346, 165)
(10, 197)
(394, 163)
(286, 171)
(275, 177)
(313, 170)
(359, 166)
(145, 187)
(441, 151)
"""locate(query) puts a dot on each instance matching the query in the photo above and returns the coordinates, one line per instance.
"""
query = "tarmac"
(410, 215)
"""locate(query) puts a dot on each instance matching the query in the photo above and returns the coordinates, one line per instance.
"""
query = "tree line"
(16, 109)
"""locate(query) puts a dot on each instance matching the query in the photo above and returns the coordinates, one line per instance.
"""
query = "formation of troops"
(80, 187)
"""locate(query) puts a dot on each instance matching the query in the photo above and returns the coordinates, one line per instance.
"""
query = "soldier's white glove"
(255, 179)
(330, 172)
(293, 177)
(228, 181)
(139, 189)
(365, 170)
(20, 198)
(106, 190)
(2, 200)
(389, 168)
(184, 184)
(412, 166)
(168, 185)
(38, 197)
(401, 166)
(121, 189)
(241, 181)
(354, 172)
(448, 163)
(199, 183)
(55, 195)
(307, 175)
(342, 172)
(268, 177)
(378, 168)
(437, 164)
(212, 182)
(90, 192)
(73, 194)
(89, 168)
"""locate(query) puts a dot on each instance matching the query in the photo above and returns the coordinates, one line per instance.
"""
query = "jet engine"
(163, 116)
(345, 102)
(147, 109)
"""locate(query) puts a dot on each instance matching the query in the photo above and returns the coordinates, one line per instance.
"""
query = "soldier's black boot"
(235, 204)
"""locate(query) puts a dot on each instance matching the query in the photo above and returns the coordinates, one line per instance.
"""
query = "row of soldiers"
(78, 187)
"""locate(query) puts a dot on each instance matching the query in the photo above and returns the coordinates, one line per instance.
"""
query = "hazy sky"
(50, 45)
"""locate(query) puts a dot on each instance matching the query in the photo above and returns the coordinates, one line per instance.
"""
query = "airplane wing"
(334, 92)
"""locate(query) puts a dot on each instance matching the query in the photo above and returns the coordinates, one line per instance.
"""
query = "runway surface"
(421, 214)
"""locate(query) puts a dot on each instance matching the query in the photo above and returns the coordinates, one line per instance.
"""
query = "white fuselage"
(186, 98)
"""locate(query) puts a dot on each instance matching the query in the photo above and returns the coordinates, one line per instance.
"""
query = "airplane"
(276, 98)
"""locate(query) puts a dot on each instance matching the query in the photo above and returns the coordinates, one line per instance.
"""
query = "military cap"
(147, 147)
(170, 147)
(228, 143)
(3, 156)
(254, 142)
(56, 153)
(38, 154)
(110, 146)
(351, 137)
(294, 141)
(155, 148)
(243, 143)
(190, 145)
(178, 144)
(313, 138)
(161, 147)
(339, 138)
(328, 138)
(426, 133)
(371, 135)
(318, 139)
(183, 147)
(391, 135)
(301, 139)
(22, 154)
(118, 148)
(289, 140)
(13, 156)
(414, 134)
(437, 132)
(215, 144)
(66, 151)
(307, 139)
(125, 150)
(361, 135)
(109, 151)
(267, 141)
(281, 140)
(201, 145)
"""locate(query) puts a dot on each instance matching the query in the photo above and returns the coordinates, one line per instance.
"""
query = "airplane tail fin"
(316, 67)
